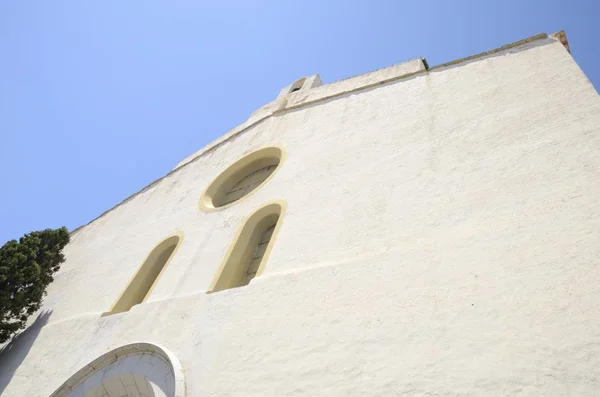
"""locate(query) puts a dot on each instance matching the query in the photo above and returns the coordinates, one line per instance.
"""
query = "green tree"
(27, 267)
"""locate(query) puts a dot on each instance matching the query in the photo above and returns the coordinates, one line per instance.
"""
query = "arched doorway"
(138, 369)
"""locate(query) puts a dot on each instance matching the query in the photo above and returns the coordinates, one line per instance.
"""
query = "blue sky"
(100, 98)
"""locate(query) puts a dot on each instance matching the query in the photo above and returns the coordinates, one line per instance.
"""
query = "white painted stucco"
(441, 237)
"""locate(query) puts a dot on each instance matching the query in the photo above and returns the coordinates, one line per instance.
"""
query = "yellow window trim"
(236, 171)
(246, 232)
(117, 306)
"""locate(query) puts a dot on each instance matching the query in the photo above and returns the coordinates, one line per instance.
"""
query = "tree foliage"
(27, 267)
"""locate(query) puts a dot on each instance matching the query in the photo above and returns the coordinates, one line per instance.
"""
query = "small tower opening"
(297, 86)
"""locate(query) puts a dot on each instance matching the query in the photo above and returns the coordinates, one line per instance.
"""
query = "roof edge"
(253, 121)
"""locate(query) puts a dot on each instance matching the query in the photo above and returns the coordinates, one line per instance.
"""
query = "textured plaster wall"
(441, 238)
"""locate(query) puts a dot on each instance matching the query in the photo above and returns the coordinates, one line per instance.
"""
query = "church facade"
(410, 231)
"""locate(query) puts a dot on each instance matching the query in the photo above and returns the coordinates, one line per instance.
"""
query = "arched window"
(297, 85)
(142, 282)
(250, 249)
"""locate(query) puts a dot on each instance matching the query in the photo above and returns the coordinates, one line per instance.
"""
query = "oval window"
(241, 178)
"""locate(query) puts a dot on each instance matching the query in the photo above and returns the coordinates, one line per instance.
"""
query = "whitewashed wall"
(442, 238)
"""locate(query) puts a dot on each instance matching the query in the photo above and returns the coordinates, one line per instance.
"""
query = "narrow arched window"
(142, 282)
(250, 249)
(259, 253)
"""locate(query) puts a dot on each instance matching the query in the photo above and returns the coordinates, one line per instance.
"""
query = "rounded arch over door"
(135, 369)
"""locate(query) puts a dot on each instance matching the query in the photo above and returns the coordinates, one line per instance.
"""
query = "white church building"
(412, 231)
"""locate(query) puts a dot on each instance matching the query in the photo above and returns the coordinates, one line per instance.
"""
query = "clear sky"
(100, 98)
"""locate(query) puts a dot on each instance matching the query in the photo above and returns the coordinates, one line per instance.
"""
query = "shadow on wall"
(14, 353)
